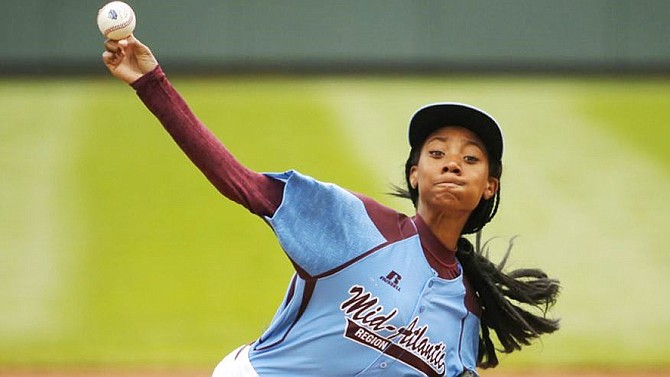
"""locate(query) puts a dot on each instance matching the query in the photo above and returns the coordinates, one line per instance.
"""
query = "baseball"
(116, 20)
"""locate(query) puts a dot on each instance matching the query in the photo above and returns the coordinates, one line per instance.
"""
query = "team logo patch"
(368, 324)
(393, 279)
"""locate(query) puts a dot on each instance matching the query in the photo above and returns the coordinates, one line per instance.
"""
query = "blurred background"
(117, 254)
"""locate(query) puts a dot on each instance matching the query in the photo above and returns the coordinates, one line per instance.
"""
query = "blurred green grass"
(116, 250)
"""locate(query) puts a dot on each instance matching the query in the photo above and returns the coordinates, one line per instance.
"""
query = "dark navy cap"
(431, 117)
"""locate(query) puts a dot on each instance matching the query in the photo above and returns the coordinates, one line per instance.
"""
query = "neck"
(446, 227)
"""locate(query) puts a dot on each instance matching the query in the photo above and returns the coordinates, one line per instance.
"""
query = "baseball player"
(375, 292)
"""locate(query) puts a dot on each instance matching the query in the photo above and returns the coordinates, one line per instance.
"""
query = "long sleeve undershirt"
(258, 193)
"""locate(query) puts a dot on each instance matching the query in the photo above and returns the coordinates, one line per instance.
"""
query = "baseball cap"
(437, 115)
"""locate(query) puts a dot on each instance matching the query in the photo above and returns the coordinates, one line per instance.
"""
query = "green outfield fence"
(43, 36)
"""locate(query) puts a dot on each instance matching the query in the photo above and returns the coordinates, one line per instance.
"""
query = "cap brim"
(431, 117)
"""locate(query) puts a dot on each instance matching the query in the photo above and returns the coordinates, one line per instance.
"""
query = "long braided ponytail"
(501, 296)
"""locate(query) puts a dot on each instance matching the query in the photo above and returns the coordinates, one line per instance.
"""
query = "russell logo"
(393, 279)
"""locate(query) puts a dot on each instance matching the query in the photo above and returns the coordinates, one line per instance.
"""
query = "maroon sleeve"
(257, 192)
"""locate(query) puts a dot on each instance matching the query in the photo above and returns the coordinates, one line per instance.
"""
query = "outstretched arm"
(132, 62)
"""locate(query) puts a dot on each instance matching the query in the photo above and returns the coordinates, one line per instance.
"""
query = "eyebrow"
(468, 141)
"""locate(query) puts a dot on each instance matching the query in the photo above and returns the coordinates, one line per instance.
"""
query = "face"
(453, 172)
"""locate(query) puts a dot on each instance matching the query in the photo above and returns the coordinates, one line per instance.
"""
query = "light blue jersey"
(364, 301)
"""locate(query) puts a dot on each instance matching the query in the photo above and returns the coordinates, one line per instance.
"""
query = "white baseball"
(116, 20)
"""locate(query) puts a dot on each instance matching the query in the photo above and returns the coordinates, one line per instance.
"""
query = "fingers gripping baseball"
(128, 59)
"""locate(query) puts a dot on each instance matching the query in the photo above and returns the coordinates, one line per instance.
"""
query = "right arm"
(132, 62)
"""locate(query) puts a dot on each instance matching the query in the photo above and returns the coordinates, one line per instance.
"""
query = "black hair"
(499, 293)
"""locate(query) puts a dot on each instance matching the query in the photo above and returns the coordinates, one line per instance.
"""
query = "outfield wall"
(44, 36)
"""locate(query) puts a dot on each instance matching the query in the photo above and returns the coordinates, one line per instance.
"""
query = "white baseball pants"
(236, 364)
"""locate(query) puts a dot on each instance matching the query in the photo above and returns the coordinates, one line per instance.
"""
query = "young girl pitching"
(375, 292)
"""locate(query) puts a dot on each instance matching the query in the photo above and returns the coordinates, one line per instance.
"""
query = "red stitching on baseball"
(121, 26)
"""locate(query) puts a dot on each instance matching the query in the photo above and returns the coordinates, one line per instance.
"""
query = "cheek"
(418, 174)
(483, 186)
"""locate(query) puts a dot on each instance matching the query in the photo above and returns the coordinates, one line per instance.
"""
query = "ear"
(413, 179)
(492, 187)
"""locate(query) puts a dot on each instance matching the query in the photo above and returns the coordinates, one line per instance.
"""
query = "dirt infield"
(573, 372)
(103, 373)
(206, 373)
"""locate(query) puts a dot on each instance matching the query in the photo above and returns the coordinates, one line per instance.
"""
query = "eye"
(436, 153)
(471, 159)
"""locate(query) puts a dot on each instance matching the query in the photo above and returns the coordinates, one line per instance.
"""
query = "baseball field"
(117, 255)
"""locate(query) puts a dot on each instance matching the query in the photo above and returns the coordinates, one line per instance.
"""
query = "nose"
(451, 166)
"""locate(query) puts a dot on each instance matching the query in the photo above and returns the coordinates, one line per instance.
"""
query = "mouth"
(450, 184)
